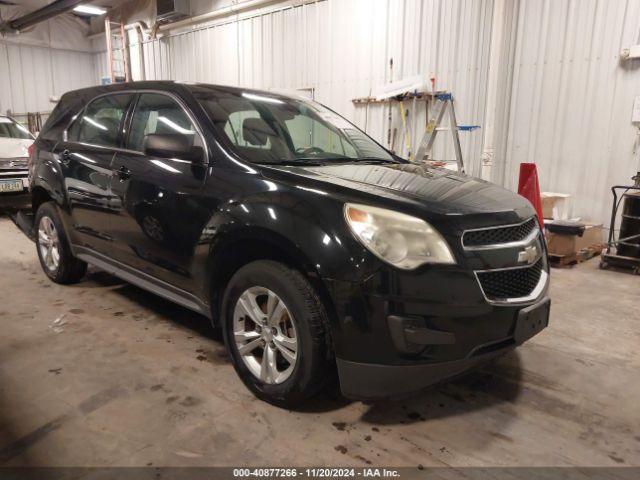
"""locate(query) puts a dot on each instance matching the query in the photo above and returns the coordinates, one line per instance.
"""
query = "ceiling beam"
(45, 13)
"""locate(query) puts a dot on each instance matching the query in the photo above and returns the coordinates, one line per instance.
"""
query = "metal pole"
(107, 32)
(125, 53)
(453, 125)
(389, 114)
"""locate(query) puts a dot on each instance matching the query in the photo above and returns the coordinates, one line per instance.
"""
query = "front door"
(85, 157)
(160, 213)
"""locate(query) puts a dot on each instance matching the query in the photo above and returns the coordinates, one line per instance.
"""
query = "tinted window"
(100, 123)
(11, 129)
(236, 133)
(273, 129)
(309, 135)
(161, 115)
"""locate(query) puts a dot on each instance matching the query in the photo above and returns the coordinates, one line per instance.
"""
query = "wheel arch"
(259, 244)
(39, 195)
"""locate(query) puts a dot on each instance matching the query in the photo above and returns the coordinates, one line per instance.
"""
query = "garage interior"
(105, 374)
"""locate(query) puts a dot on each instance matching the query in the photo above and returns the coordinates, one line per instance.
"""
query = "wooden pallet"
(566, 261)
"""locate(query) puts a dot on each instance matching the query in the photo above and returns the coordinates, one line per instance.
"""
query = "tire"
(61, 267)
(285, 384)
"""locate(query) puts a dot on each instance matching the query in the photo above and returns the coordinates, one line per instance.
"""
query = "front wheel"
(275, 331)
(54, 252)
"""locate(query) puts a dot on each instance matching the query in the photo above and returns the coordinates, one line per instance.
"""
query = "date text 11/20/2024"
(316, 472)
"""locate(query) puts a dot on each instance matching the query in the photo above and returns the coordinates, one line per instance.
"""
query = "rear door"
(161, 211)
(85, 157)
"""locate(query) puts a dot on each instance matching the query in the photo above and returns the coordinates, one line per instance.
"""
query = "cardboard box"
(555, 205)
(559, 244)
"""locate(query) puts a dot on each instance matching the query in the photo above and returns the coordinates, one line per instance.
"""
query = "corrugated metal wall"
(48, 59)
(341, 49)
(569, 99)
(29, 75)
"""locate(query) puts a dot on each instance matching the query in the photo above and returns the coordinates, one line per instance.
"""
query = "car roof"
(172, 86)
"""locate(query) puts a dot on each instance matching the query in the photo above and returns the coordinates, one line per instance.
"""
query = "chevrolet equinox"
(314, 248)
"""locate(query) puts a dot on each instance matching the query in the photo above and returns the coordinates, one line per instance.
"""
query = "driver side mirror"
(173, 146)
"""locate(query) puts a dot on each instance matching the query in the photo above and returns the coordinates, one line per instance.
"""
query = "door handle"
(65, 157)
(123, 173)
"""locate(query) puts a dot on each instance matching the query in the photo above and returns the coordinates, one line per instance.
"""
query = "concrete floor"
(105, 374)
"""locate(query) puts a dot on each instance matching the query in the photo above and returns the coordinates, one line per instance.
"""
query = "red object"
(30, 150)
(529, 187)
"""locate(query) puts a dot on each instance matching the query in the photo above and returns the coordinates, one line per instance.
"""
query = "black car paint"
(202, 212)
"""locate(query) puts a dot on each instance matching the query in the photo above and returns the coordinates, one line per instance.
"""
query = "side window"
(161, 115)
(307, 133)
(100, 123)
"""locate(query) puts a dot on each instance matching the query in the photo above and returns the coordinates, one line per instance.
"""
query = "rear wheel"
(274, 328)
(54, 251)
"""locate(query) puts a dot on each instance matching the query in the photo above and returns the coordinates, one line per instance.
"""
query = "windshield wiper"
(305, 161)
(377, 160)
(347, 160)
(315, 161)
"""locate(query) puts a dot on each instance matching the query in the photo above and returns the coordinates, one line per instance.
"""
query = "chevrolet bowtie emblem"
(529, 255)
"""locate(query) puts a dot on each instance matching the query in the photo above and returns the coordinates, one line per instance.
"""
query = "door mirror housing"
(173, 146)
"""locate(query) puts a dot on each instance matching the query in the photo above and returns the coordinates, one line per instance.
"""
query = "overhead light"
(90, 10)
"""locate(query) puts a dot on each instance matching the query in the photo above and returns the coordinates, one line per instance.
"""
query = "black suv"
(314, 248)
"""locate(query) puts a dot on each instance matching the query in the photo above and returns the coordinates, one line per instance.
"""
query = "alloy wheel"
(265, 335)
(49, 243)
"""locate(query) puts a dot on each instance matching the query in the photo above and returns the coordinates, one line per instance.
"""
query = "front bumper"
(15, 201)
(369, 381)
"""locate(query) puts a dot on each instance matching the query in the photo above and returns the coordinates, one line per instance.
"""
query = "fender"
(47, 175)
(294, 225)
(291, 226)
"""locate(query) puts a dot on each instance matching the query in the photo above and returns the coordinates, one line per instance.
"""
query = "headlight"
(402, 240)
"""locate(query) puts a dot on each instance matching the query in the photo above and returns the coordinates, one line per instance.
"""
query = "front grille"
(498, 235)
(13, 163)
(510, 283)
(5, 174)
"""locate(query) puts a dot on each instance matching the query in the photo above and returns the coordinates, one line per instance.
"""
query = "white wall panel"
(570, 99)
(341, 49)
(30, 75)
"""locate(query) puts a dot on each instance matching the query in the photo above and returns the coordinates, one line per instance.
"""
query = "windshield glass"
(268, 129)
(11, 129)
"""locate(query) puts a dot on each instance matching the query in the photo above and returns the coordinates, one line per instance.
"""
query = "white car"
(15, 141)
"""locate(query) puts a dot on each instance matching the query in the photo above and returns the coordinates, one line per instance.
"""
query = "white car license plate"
(10, 186)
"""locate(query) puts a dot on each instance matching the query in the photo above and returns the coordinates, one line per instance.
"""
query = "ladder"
(441, 102)
(438, 104)
(117, 51)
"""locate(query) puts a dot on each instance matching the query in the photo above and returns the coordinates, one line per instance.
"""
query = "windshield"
(267, 129)
(11, 129)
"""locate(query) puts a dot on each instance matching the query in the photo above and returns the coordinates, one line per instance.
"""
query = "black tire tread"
(71, 269)
(318, 319)
(318, 327)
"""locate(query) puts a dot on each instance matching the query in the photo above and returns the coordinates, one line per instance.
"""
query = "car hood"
(439, 190)
(14, 147)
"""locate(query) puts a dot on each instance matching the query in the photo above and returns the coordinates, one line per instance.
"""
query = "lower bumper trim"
(15, 201)
(367, 381)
